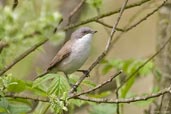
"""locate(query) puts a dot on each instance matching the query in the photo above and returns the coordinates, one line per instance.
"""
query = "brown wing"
(61, 55)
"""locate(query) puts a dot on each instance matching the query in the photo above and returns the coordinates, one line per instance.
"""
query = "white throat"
(86, 39)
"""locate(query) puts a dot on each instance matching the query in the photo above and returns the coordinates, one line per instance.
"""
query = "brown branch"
(91, 19)
(34, 98)
(161, 104)
(3, 45)
(109, 26)
(104, 15)
(15, 4)
(97, 87)
(32, 34)
(22, 56)
(137, 23)
(103, 54)
(141, 66)
(103, 100)
(75, 10)
(126, 100)
(117, 104)
(146, 17)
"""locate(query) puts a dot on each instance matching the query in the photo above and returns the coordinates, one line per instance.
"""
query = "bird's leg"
(66, 75)
(86, 72)
(71, 85)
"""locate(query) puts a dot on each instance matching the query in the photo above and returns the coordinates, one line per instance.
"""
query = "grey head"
(79, 33)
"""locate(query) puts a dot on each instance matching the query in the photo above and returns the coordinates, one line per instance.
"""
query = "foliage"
(17, 27)
(8, 106)
(129, 67)
(95, 3)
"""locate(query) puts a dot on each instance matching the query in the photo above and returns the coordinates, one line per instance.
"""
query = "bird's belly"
(76, 59)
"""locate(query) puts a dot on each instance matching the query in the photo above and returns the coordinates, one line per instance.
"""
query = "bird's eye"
(85, 32)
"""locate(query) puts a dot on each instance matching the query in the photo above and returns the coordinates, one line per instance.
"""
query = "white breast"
(80, 52)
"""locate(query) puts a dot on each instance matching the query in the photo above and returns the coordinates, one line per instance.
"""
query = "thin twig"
(161, 104)
(104, 15)
(22, 56)
(75, 10)
(98, 86)
(15, 4)
(141, 66)
(32, 34)
(126, 100)
(137, 23)
(3, 45)
(103, 54)
(109, 26)
(146, 17)
(34, 98)
(117, 105)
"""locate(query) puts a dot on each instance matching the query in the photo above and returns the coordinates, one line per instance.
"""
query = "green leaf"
(147, 68)
(107, 68)
(4, 103)
(58, 86)
(43, 79)
(7, 107)
(19, 108)
(124, 90)
(95, 3)
(13, 84)
(16, 86)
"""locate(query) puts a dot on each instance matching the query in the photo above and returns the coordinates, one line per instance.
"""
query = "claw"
(85, 72)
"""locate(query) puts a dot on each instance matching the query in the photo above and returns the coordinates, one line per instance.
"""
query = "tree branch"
(15, 4)
(137, 23)
(109, 26)
(75, 10)
(21, 57)
(28, 97)
(3, 45)
(104, 15)
(103, 100)
(97, 87)
(126, 100)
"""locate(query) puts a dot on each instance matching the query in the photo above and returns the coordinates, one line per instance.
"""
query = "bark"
(163, 61)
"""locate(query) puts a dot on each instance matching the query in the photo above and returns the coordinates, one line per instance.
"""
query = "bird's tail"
(41, 75)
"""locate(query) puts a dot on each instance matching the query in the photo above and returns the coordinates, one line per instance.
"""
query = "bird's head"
(81, 32)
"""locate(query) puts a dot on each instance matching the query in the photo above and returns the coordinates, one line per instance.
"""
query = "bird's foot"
(85, 72)
(74, 87)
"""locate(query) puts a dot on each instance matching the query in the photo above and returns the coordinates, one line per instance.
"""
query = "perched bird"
(73, 54)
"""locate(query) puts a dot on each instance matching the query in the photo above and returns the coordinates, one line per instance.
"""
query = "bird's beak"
(93, 32)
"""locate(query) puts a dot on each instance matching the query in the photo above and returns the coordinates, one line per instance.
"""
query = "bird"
(73, 53)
